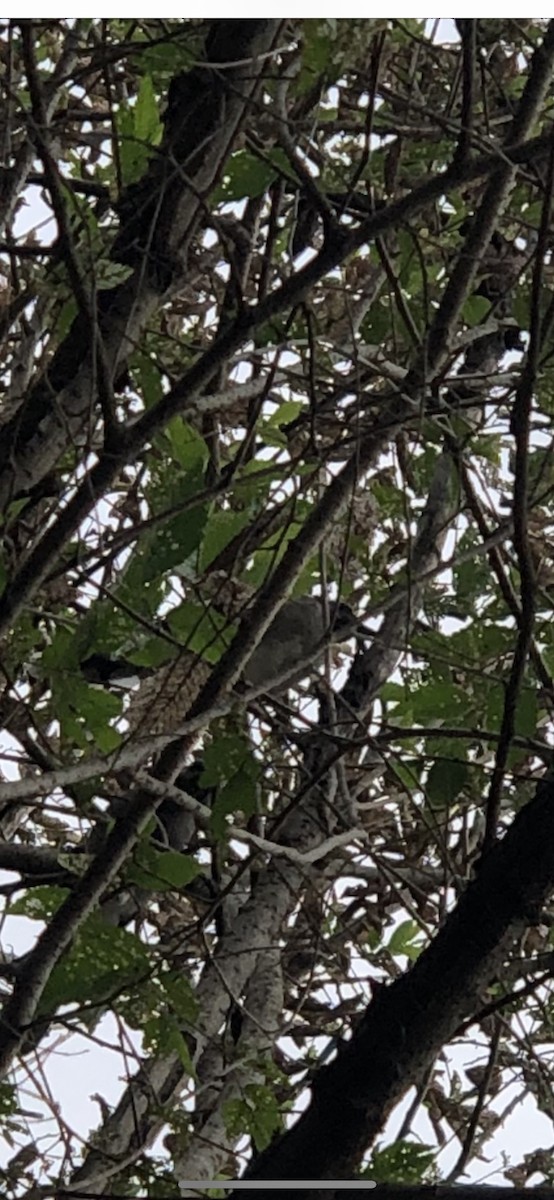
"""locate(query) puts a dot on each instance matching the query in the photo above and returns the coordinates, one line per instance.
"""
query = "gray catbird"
(296, 635)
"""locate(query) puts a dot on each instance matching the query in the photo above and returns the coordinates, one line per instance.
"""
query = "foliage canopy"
(276, 320)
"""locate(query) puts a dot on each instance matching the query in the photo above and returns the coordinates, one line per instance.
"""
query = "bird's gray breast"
(296, 634)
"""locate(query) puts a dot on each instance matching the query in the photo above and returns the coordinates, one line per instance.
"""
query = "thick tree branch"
(408, 1022)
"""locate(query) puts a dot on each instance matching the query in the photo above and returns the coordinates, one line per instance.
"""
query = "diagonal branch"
(41, 430)
(408, 1022)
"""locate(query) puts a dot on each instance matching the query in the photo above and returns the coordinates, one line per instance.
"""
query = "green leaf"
(475, 310)
(230, 765)
(139, 130)
(147, 121)
(171, 495)
(81, 708)
(65, 318)
(406, 939)
(224, 756)
(154, 653)
(221, 527)
(13, 510)
(108, 274)
(407, 773)
(188, 448)
(167, 548)
(318, 48)
(239, 794)
(271, 431)
(40, 903)
(526, 715)
(169, 57)
(438, 700)
(148, 379)
(62, 654)
(402, 1162)
(273, 549)
(256, 478)
(471, 578)
(204, 631)
(247, 175)
(179, 994)
(521, 307)
(287, 411)
(371, 939)
(256, 1113)
(8, 1100)
(102, 961)
(161, 870)
(445, 781)
(493, 698)
(97, 706)
(130, 155)
(159, 1008)
(162, 1036)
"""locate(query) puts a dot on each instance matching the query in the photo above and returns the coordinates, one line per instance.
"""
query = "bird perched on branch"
(298, 634)
(294, 642)
(296, 637)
